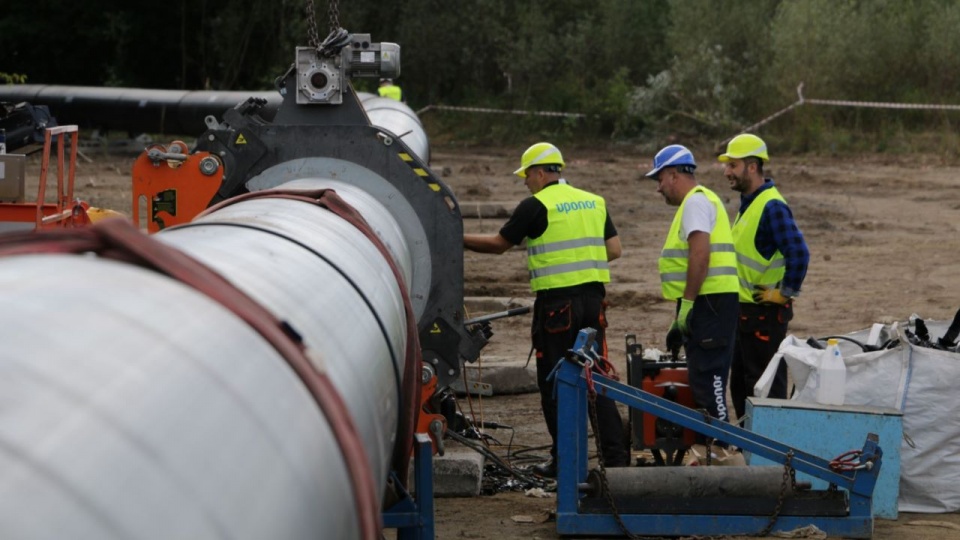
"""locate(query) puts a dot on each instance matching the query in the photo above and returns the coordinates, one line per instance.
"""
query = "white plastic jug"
(832, 375)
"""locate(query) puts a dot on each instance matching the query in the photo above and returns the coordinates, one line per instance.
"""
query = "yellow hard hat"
(745, 145)
(541, 153)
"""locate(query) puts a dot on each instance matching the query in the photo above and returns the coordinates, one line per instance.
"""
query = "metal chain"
(604, 485)
(312, 32)
(334, 11)
(788, 478)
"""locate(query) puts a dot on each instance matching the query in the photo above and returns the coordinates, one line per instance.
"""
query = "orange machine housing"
(666, 378)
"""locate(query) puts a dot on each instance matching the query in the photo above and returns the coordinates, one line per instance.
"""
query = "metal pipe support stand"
(413, 516)
(844, 509)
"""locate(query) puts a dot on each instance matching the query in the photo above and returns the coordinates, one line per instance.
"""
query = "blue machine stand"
(574, 517)
(413, 517)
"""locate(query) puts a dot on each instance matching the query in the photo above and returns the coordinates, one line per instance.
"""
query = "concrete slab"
(505, 375)
(458, 473)
(478, 210)
(483, 305)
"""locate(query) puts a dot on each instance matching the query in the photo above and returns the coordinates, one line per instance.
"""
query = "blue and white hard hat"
(674, 155)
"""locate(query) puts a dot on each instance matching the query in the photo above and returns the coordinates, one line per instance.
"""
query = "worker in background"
(698, 270)
(772, 259)
(389, 90)
(570, 240)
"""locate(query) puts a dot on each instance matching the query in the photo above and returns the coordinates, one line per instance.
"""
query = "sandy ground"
(883, 235)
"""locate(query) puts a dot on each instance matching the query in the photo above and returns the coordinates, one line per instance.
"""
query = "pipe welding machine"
(320, 217)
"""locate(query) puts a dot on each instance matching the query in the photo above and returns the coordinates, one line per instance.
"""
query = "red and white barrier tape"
(847, 103)
(497, 111)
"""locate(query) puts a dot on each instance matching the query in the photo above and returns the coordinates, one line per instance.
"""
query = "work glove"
(683, 316)
(764, 295)
(674, 341)
(680, 327)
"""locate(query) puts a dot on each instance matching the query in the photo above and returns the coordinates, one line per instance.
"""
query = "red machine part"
(663, 383)
(171, 187)
(433, 424)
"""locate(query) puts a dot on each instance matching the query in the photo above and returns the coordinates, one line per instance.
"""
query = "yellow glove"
(762, 295)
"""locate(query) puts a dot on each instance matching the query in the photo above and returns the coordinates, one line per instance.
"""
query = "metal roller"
(690, 482)
(135, 407)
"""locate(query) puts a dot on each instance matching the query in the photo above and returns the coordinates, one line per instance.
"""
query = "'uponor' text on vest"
(579, 205)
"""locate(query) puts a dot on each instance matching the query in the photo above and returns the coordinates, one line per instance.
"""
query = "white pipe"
(134, 407)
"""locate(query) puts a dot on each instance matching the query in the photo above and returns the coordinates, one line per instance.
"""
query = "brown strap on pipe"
(117, 239)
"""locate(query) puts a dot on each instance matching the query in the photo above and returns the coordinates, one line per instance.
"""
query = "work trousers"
(556, 323)
(709, 348)
(761, 329)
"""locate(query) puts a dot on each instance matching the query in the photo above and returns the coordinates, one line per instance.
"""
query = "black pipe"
(136, 110)
(499, 315)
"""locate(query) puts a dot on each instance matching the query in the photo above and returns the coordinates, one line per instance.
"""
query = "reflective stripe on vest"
(675, 255)
(753, 268)
(572, 250)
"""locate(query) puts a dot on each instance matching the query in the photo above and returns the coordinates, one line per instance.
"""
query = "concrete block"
(484, 305)
(480, 210)
(458, 473)
(505, 378)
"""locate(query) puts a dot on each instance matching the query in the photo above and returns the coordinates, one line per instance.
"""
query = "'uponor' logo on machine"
(563, 208)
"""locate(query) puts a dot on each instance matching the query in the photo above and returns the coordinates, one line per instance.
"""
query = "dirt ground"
(884, 237)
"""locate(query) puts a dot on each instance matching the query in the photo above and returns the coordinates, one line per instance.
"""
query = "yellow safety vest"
(675, 256)
(391, 91)
(752, 268)
(572, 250)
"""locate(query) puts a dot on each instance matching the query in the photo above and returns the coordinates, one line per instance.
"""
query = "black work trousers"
(557, 321)
(761, 329)
(709, 348)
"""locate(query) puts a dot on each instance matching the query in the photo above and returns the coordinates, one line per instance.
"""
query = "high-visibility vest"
(572, 250)
(753, 268)
(675, 256)
(391, 91)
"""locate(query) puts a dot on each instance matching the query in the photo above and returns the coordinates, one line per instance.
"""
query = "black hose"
(815, 343)
(493, 457)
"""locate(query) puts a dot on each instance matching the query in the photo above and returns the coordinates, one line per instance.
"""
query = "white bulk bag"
(920, 382)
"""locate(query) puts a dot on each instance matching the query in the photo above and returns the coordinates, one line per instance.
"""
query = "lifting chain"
(333, 11)
(789, 477)
(312, 32)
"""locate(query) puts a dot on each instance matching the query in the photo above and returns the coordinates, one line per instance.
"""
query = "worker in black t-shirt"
(570, 240)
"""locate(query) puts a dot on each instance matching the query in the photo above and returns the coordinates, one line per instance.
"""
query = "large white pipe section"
(135, 407)
(397, 118)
